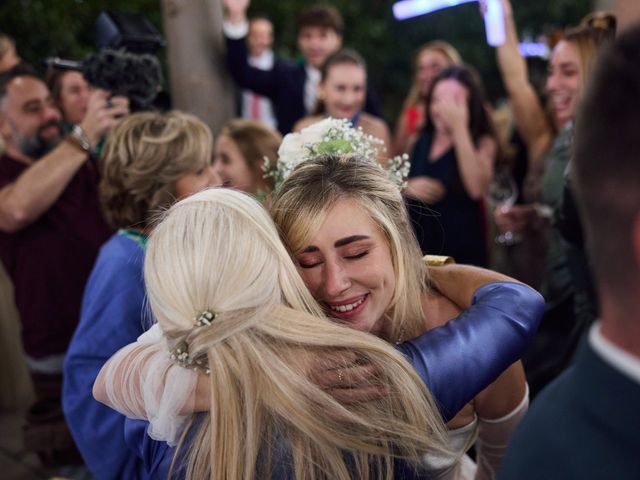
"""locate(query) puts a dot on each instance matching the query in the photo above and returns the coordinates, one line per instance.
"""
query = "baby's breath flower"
(330, 136)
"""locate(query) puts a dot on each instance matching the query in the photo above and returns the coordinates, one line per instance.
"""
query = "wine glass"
(503, 193)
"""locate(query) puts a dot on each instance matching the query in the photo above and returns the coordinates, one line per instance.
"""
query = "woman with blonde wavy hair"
(247, 319)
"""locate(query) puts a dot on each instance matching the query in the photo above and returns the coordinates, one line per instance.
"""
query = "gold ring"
(340, 375)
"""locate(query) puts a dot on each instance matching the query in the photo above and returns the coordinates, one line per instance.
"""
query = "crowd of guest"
(284, 298)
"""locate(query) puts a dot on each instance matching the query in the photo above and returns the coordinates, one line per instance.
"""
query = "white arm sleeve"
(493, 438)
(141, 381)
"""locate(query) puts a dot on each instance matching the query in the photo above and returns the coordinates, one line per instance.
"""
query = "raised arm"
(236, 27)
(39, 186)
(530, 119)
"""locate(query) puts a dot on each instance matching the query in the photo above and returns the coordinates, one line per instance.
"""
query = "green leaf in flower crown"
(333, 147)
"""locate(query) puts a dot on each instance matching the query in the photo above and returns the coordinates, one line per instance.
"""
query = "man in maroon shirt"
(51, 228)
(50, 222)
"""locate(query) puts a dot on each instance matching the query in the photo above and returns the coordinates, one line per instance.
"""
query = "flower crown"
(330, 136)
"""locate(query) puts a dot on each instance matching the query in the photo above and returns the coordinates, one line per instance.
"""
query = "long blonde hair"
(302, 202)
(218, 250)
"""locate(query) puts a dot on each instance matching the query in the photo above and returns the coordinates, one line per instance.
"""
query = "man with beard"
(51, 226)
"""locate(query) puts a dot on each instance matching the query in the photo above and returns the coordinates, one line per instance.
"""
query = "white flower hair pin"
(330, 136)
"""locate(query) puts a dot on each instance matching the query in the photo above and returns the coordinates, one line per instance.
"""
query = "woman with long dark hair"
(451, 168)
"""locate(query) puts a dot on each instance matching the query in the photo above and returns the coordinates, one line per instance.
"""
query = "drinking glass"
(503, 193)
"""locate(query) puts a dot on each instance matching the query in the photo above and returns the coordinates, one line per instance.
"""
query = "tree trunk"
(627, 13)
(199, 81)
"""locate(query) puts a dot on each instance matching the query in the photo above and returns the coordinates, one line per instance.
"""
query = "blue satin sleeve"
(461, 358)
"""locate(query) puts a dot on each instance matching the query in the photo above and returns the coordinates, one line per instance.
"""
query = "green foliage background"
(44, 28)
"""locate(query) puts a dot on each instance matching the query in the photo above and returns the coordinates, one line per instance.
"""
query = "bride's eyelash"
(357, 255)
(308, 265)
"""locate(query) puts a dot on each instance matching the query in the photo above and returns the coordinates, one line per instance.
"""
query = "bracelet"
(437, 260)
(80, 139)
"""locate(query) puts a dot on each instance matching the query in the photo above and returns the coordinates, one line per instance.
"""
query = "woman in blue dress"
(451, 168)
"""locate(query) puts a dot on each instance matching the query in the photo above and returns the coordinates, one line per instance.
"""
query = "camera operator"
(51, 228)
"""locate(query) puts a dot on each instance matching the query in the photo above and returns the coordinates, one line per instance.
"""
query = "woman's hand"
(344, 375)
(236, 10)
(424, 188)
(515, 218)
(103, 113)
(506, 7)
(454, 112)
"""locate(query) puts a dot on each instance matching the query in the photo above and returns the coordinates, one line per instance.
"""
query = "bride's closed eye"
(309, 261)
(308, 265)
(356, 256)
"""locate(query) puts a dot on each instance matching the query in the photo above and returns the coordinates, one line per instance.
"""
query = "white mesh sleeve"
(493, 437)
(141, 381)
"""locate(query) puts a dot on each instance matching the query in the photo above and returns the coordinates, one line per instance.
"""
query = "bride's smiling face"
(348, 267)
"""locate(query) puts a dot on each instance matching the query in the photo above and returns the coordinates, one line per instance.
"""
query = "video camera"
(125, 65)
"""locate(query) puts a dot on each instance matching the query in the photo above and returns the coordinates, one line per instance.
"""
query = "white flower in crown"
(330, 136)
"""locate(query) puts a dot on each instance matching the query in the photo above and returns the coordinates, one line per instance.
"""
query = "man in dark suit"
(291, 86)
(586, 424)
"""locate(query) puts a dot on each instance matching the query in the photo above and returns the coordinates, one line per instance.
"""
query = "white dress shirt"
(311, 88)
(615, 356)
(254, 106)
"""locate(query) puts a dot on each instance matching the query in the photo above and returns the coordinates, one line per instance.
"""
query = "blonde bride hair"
(218, 250)
(305, 198)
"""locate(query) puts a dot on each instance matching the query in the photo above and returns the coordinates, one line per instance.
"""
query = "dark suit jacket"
(283, 84)
(584, 425)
